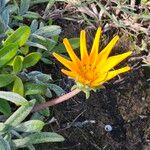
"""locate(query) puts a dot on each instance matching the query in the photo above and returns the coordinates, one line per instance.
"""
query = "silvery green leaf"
(4, 145)
(44, 77)
(30, 126)
(48, 31)
(33, 44)
(13, 97)
(31, 15)
(34, 26)
(5, 16)
(36, 138)
(2, 127)
(20, 114)
(57, 89)
(41, 25)
(24, 6)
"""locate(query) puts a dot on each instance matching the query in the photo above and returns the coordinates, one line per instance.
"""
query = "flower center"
(88, 72)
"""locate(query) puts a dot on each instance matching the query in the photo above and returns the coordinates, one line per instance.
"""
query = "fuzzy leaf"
(38, 138)
(30, 126)
(20, 114)
(13, 97)
(4, 145)
(48, 31)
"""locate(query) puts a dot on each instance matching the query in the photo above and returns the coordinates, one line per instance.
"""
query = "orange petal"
(70, 51)
(68, 73)
(112, 74)
(95, 47)
(113, 61)
(99, 80)
(83, 47)
(64, 61)
(103, 55)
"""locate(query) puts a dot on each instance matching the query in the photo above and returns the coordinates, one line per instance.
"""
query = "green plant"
(16, 58)
(17, 134)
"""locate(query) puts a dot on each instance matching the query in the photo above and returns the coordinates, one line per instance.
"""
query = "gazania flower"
(92, 69)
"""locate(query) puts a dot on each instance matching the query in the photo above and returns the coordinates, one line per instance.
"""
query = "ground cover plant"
(74, 74)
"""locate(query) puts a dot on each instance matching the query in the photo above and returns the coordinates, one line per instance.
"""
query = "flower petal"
(103, 55)
(64, 61)
(68, 73)
(99, 80)
(70, 51)
(113, 61)
(95, 47)
(109, 75)
(83, 47)
(112, 74)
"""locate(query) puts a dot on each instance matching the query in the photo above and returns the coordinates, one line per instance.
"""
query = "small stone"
(108, 128)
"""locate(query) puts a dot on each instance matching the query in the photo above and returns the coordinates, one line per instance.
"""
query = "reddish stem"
(55, 101)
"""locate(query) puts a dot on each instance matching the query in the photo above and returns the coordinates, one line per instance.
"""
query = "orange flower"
(92, 70)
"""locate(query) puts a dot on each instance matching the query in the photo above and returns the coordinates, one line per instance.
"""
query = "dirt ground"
(124, 104)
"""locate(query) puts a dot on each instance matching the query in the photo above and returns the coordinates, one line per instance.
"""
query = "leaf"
(41, 99)
(4, 145)
(31, 59)
(6, 79)
(61, 48)
(7, 53)
(5, 17)
(5, 107)
(20, 114)
(24, 49)
(2, 127)
(24, 6)
(46, 61)
(33, 44)
(18, 87)
(17, 64)
(13, 97)
(48, 31)
(30, 126)
(58, 90)
(31, 15)
(33, 88)
(20, 36)
(38, 138)
(34, 26)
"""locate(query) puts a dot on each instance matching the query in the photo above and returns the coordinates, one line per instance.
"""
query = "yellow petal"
(99, 80)
(64, 61)
(103, 55)
(68, 73)
(112, 74)
(70, 51)
(95, 47)
(83, 47)
(113, 61)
